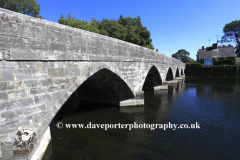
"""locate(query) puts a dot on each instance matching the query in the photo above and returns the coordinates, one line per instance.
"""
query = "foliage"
(182, 55)
(73, 22)
(215, 71)
(29, 7)
(232, 34)
(126, 28)
(136, 33)
(113, 29)
(192, 69)
(225, 60)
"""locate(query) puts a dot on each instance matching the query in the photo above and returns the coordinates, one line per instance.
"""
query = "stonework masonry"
(42, 63)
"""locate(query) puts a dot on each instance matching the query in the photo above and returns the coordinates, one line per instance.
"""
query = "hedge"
(225, 60)
(200, 70)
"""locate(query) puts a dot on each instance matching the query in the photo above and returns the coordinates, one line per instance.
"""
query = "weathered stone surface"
(3, 96)
(4, 86)
(23, 74)
(61, 80)
(42, 98)
(39, 73)
(22, 93)
(6, 75)
(72, 72)
(53, 89)
(7, 105)
(56, 72)
(32, 83)
(39, 90)
(34, 109)
(9, 115)
(42, 63)
(47, 82)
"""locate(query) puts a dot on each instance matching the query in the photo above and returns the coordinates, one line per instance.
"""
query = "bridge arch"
(169, 75)
(152, 79)
(177, 73)
(105, 86)
(181, 71)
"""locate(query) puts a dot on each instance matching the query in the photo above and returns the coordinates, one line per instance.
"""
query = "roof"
(219, 52)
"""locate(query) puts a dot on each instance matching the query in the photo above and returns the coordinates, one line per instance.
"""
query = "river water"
(214, 103)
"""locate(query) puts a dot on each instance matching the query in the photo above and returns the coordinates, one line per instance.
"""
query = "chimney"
(202, 47)
(214, 45)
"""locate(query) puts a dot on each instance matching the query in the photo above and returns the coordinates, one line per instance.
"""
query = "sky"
(173, 24)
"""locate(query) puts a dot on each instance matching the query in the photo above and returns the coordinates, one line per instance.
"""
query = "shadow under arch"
(181, 71)
(106, 87)
(152, 79)
(169, 75)
(177, 73)
(102, 89)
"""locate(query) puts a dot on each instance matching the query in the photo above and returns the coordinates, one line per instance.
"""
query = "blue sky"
(174, 24)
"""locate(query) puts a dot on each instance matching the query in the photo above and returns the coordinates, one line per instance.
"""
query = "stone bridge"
(42, 63)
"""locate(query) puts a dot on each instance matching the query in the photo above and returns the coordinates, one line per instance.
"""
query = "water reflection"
(211, 102)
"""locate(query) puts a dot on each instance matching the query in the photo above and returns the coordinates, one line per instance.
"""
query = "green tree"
(136, 33)
(29, 7)
(232, 34)
(182, 55)
(73, 22)
(113, 29)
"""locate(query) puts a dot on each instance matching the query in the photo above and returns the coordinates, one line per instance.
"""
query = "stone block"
(39, 117)
(13, 125)
(3, 96)
(72, 72)
(10, 115)
(61, 80)
(63, 87)
(22, 93)
(34, 109)
(42, 98)
(47, 82)
(9, 29)
(56, 72)
(27, 32)
(6, 75)
(23, 54)
(53, 89)
(65, 56)
(4, 86)
(39, 73)
(31, 83)
(23, 74)
(7, 105)
(7, 64)
(39, 45)
(84, 72)
(39, 90)
(60, 47)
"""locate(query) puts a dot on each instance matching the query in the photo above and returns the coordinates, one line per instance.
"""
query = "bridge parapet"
(30, 38)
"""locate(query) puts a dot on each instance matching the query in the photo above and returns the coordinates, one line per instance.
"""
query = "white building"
(205, 56)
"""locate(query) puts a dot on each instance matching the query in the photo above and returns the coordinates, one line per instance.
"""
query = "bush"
(215, 71)
(225, 60)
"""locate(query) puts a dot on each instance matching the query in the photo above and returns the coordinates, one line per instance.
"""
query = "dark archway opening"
(153, 79)
(177, 73)
(181, 71)
(101, 90)
(169, 76)
(105, 87)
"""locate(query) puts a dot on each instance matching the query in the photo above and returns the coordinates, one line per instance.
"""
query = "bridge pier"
(132, 102)
(26, 150)
(160, 87)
